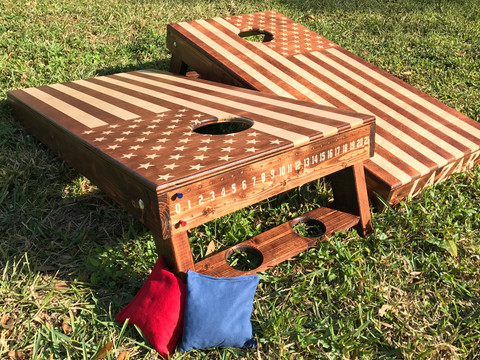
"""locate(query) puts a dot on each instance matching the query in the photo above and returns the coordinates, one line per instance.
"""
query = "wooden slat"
(278, 244)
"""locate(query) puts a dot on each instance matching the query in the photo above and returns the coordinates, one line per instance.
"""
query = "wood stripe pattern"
(159, 142)
(417, 136)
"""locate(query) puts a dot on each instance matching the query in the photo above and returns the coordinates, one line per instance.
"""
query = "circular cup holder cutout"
(308, 227)
(256, 35)
(224, 126)
(244, 257)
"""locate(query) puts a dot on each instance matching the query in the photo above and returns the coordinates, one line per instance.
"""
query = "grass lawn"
(71, 259)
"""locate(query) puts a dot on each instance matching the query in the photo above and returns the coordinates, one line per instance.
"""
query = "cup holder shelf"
(278, 244)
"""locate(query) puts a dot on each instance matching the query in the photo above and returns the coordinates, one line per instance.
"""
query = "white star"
(196, 167)
(200, 157)
(171, 166)
(157, 147)
(127, 132)
(138, 120)
(172, 126)
(147, 132)
(132, 126)
(176, 157)
(275, 142)
(196, 121)
(309, 49)
(285, 53)
(128, 155)
(228, 149)
(153, 156)
(230, 141)
(203, 148)
(188, 133)
(113, 147)
(226, 158)
(176, 121)
(164, 177)
(160, 115)
(253, 141)
(180, 148)
(136, 147)
(198, 115)
(253, 134)
(141, 140)
(88, 132)
(107, 132)
(167, 133)
(252, 149)
(152, 126)
(100, 139)
(120, 139)
(156, 121)
(183, 110)
(114, 126)
(163, 140)
(145, 166)
(186, 140)
(179, 115)
(208, 141)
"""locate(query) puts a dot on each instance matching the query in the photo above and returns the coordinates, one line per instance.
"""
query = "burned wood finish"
(136, 136)
(420, 141)
(278, 244)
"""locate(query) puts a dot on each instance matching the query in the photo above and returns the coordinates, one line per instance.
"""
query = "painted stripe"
(276, 56)
(65, 108)
(380, 122)
(392, 169)
(121, 96)
(278, 116)
(297, 139)
(264, 63)
(103, 105)
(236, 61)
(445, 145)
(352, 120)
(401, 154)
(410, 94)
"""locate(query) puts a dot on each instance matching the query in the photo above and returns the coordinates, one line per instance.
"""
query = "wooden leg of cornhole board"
(176, 253)
(177, 66)
(350, 193)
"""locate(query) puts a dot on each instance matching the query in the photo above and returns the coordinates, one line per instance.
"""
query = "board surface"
(144, 125)
(419, 140)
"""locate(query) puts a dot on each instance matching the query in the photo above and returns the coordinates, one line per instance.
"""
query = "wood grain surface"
(417, 136)
(140, 137)
(278, 244)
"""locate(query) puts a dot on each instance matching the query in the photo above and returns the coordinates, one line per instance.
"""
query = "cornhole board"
(419, 140)
(138, 137)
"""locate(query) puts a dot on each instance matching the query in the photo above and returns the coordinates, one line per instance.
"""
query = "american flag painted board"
(419, 140)
(143, 125)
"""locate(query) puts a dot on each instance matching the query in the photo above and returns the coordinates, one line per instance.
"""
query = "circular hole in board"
(223, 126)
(244, 257)
(256, 35)
(308, 227)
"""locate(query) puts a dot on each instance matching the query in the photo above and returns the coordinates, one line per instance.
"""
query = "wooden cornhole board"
(419, 142)
(135, 135)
